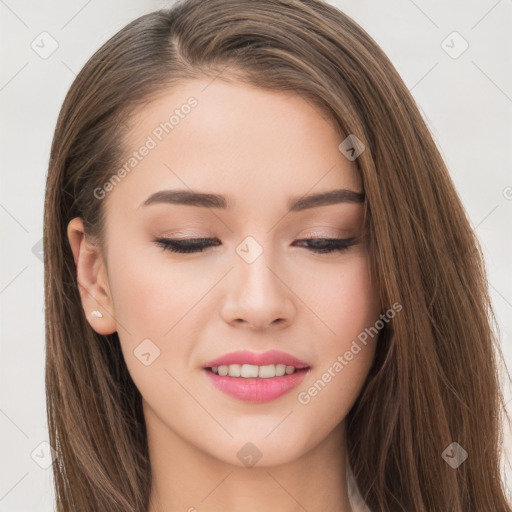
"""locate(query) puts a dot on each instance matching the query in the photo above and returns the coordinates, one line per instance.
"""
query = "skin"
(259, 148)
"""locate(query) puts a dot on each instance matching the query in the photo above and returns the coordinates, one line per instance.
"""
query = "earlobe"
(92, 280)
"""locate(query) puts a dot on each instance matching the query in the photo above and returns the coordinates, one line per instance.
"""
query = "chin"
(259, 453)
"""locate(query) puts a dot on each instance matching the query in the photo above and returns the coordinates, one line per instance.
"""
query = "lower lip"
(256, 389)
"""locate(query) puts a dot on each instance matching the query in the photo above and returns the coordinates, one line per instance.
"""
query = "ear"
(92, 279)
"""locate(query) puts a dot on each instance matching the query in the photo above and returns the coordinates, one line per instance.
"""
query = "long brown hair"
(435, 377)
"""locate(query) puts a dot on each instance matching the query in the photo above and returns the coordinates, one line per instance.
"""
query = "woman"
(262, 290)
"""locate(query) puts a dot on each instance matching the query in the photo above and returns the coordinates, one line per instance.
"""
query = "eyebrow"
(295, 204)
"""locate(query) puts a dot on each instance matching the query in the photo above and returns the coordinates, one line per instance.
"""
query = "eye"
(328, 245)
(185, 245)
(194, 245)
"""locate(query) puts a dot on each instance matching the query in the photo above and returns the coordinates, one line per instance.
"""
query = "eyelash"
(195, 245)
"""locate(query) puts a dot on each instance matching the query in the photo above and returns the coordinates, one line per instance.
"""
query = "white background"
(466, 101)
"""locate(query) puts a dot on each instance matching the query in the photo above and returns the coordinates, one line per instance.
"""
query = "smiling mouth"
(252, 383)
(251, 371)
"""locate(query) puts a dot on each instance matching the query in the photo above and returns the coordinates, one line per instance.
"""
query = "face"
(260, 279)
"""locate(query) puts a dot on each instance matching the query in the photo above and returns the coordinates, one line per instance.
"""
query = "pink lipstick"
(254, 377)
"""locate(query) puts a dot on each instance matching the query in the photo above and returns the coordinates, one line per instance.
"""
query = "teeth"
(251, 371)
(248, 370)
(281, 369)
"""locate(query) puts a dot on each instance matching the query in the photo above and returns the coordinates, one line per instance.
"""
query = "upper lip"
(262, 359)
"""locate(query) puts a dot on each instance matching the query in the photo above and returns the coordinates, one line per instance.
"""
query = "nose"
(258, 295)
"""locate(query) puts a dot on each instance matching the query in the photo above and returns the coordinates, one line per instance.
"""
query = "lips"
(265, 358)
(256, 389)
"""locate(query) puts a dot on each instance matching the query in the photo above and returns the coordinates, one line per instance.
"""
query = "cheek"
(358, 303)
(346, 350)
(149, 299)
(344, 300)
(159, 302)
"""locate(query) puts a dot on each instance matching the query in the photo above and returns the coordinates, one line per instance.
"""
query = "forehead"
(245, 142)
